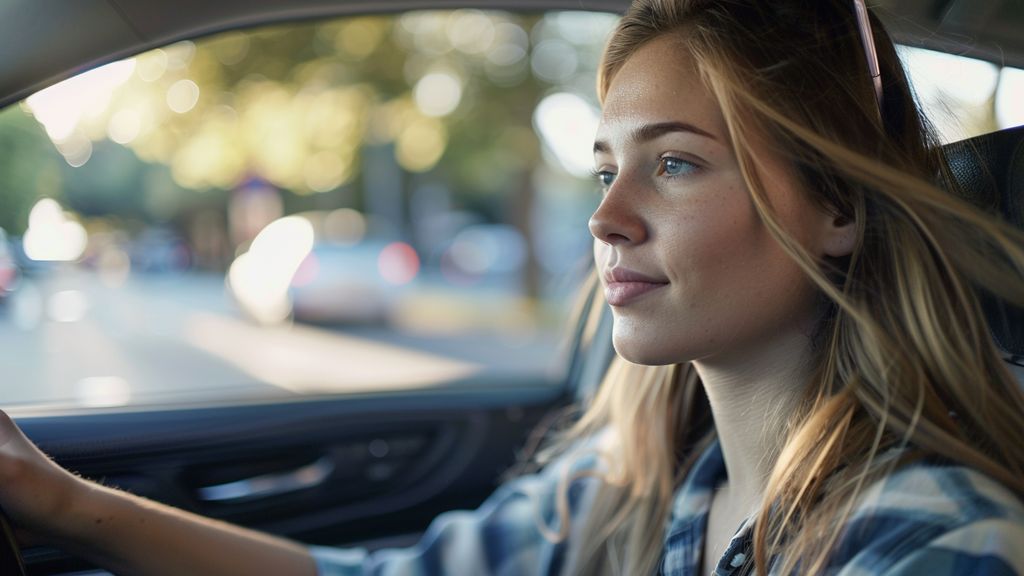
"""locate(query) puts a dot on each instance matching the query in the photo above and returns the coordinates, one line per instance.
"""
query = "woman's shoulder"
(940, 492)
(935, 518)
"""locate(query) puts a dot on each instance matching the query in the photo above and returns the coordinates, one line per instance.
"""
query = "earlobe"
(841, 236)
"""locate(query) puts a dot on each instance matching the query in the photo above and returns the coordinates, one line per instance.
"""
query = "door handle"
(269, 485)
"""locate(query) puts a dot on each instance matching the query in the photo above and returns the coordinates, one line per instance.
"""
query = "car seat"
(990, 171)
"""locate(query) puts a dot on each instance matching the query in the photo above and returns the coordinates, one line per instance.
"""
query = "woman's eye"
(670, 166)
(604, 177)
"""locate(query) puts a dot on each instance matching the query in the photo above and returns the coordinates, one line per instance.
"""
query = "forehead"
(660, 83)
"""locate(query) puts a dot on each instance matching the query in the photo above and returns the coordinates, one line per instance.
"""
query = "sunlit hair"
(905, 363)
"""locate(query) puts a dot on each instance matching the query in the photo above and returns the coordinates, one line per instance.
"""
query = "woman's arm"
(131, 535)
(125, 533)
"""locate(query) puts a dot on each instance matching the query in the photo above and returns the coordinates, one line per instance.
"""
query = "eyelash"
(599, 175)
(691, 167)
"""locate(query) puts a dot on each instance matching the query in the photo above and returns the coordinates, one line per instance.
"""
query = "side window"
(354, 205)
(965, 97)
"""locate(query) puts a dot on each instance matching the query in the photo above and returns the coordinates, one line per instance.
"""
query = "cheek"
(733, 281)
(713, 240)
(738, 266)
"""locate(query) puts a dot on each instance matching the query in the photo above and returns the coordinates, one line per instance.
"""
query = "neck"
(751, 400)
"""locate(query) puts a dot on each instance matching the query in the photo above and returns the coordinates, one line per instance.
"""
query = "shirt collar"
(693, 498)
(684, 538)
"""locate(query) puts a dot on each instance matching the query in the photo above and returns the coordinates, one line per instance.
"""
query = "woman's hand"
(35, 492)
(125, 533)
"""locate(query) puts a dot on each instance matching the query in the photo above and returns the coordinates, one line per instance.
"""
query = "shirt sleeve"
(501, 537)
(989, 547)
(935, 519)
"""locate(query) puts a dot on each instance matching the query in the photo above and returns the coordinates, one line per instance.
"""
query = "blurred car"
(158, 250)
(323, 268)
(9, 271)
(353, 283)
(493, 255)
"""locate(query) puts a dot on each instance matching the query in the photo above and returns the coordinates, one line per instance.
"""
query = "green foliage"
(30, 168)
(296, 105)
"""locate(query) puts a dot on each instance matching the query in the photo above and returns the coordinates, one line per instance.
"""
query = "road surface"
(67, 338)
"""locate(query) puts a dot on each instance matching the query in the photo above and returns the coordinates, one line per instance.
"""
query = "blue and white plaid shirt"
(923, 519)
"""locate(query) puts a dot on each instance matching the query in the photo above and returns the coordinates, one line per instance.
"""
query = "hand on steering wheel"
(10, 552)
(34, 491)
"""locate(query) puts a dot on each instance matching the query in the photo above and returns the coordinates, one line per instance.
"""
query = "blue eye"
(604, 177)
(675, 166)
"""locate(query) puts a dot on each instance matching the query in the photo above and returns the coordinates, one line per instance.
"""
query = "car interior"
(374, 468)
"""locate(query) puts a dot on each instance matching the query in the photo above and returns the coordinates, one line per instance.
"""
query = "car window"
(354, 205)
(964, 97)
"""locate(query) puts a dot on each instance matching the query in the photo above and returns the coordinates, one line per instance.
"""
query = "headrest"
(990, 172)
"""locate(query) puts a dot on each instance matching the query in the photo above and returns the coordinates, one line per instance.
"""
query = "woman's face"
(690, 271)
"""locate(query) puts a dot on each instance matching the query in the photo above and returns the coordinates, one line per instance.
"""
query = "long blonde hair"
(904, 358)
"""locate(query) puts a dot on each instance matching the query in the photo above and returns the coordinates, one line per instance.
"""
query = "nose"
(616, 220)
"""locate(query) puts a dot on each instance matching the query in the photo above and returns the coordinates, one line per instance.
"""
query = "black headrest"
(990, 172)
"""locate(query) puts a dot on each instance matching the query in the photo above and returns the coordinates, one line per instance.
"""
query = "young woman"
(808, 384)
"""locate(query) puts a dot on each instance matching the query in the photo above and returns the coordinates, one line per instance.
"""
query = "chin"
(645, 353)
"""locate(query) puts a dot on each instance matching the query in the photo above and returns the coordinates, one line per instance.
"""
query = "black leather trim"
(989, 170)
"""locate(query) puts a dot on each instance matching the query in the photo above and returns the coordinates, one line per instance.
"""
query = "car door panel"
(324, 471)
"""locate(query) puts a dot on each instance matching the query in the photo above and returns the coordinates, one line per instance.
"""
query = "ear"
(840, 236)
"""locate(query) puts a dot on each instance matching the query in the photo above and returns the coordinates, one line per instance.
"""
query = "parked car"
(327, 277)
(158, 250)
(9, 272)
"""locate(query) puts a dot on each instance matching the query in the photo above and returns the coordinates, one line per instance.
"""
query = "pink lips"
(623, 286)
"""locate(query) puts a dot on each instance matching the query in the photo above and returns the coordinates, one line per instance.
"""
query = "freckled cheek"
(709, 247)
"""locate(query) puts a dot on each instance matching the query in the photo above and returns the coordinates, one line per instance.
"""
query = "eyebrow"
(648, 132)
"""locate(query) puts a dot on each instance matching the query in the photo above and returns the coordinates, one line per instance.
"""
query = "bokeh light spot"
(182, 96)
(124, 126)
(398, 263)
(438, 93)
(421, 145)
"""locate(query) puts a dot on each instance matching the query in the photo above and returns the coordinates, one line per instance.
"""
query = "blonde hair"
(904, 358)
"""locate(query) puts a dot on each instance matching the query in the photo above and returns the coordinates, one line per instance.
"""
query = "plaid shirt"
(923, 519)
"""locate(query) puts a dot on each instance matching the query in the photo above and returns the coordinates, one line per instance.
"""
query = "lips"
(623, 286)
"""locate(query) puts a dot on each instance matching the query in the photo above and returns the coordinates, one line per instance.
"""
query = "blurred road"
(68, 338)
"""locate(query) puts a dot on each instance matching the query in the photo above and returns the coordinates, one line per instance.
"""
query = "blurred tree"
(114, 187)
(30, 169)
(448, 96)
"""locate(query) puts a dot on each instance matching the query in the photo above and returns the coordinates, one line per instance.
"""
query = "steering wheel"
(10, 554)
